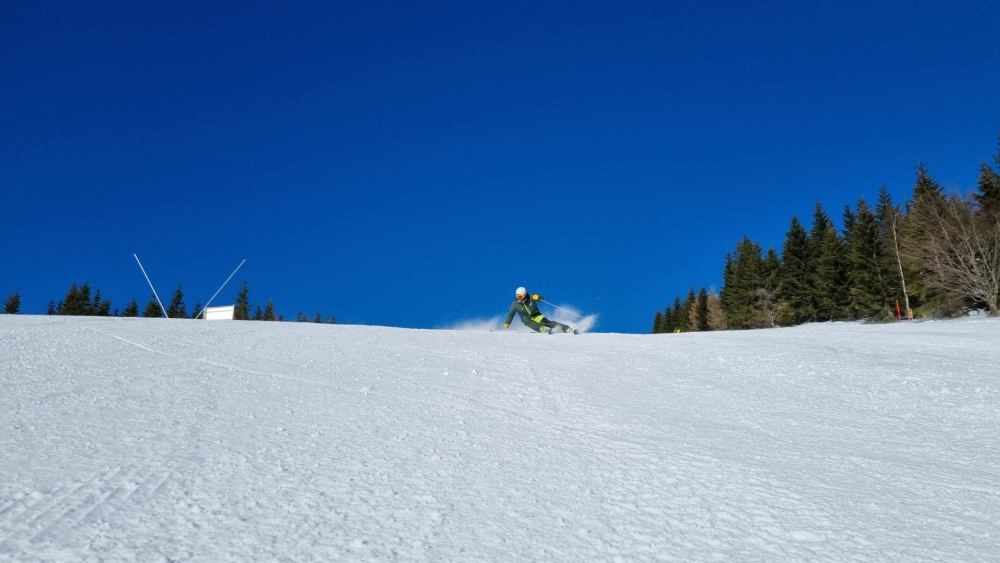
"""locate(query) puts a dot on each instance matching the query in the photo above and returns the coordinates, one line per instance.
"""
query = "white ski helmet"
(521, 291)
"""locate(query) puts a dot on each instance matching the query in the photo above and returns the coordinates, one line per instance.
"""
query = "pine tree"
(98, 306)
(53, 309)
(13, 304)
(77, 301)
(828, 271)
(301, 318)
(318, 318)
(132, 309)
(795, 277)
(679, 315)
(821, 222)
(772, 269)
(152, 309)
(197, 309)
(176, 309)
(661, 327)
(830, 278)
(850, 218)
(742, 276)
(657, 322)
(868, 274)
(702, 308)
(241, 311)
(927, 201)
(988, 197)
(926, 188)
(331, 319)
(689, 321)
(258, 313)
(669, 319)
(269, 311)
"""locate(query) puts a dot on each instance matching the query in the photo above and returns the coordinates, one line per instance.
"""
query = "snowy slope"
(154, 439)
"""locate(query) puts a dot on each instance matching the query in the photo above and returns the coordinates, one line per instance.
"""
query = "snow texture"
(179, 440)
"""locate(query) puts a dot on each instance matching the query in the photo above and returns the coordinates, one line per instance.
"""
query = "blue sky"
(410, 164)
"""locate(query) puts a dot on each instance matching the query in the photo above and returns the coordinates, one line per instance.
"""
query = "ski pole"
(563, 309)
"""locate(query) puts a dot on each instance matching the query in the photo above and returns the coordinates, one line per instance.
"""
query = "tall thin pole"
(202, 312)
(162, 308)
(899, 261)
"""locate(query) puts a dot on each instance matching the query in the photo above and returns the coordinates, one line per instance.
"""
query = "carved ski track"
(217, 364)
(102, 489)
(7, 508)
(127, 341)
(52, 509)
(33, 511)
(69, 508)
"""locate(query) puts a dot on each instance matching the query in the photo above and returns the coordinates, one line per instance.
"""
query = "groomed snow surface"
(157, 440)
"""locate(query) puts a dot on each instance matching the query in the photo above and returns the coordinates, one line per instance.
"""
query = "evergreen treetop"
(152, 309)
(795, 276)
(988, 196)
(702, 314)
(132, 309)
(176, 309)
(926, 188)
(742, 276)
(13, 304)
(241, 310)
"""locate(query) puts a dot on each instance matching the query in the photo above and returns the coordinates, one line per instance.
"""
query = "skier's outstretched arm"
(510, 316)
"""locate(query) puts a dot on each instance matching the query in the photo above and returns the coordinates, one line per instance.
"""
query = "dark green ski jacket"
(526, 309)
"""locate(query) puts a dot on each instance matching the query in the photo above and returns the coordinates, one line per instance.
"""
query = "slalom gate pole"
(151, 286)
(563, 309)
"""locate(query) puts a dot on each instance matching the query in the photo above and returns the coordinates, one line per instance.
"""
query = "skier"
(525, 306)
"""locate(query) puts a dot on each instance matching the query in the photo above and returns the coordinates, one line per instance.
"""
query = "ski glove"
(505, 325)
(537, 297)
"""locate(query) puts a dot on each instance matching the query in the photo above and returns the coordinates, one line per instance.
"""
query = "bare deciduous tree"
(770, 308)
(716, 317)
(958, 248)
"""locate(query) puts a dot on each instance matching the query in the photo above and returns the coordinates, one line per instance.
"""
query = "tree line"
(936, 255)
(80, 300)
